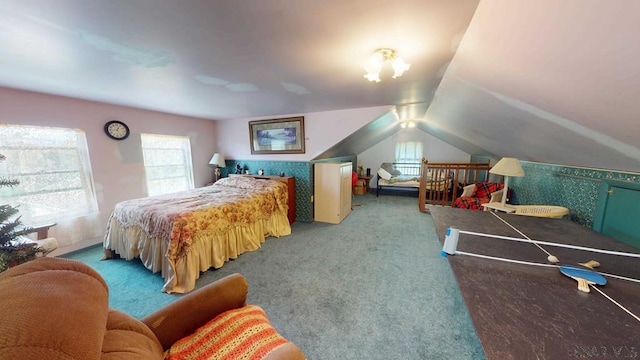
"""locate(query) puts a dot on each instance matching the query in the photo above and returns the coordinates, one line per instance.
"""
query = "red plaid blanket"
(481, 194)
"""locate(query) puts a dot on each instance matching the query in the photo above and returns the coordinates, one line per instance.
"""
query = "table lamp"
(218, 161)
(507, 167)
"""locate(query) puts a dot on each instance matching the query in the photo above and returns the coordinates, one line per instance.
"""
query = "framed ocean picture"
(277, 136)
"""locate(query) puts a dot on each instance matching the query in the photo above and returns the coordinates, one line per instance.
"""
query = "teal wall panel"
(574, 188)
(301, 170)
(298, 169)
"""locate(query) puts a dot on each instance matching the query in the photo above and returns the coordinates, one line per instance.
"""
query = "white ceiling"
(545, 80)
(228, 59)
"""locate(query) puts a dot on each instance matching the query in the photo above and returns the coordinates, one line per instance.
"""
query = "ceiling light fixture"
(407, 124)
(379, 57)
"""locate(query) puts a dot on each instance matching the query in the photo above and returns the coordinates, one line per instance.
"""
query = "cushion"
(384, 174)
(53, 308)
(243, 333)
(129, 338)
(388, 167)
(468, 190)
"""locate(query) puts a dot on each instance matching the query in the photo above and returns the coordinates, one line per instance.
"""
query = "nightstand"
(366, 180)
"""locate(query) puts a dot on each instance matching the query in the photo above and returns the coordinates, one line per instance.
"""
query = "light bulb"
(399, 67)
(373, 67)
(372, 77)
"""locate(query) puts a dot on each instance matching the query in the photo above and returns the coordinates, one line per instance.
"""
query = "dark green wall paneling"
(298, 169)
(571, 187)
(618, 211)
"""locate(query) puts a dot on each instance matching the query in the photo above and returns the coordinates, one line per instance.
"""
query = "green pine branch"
(10, 229)
(12, 253)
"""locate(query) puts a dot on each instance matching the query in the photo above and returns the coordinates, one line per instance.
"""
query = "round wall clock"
(116, 130)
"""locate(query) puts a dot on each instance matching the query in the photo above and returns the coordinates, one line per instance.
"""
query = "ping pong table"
(530, 312)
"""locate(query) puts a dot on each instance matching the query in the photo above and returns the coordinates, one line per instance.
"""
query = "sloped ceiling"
(547, 81)
(360, 140)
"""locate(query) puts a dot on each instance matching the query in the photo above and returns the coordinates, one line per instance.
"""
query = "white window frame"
(410, 152)
(178, 164)
(47, 193)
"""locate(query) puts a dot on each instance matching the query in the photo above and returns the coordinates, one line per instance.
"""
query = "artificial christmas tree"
(13, 251)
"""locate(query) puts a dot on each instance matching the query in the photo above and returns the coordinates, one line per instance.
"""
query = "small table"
(366, 182)
(42, 230)
(498, 206)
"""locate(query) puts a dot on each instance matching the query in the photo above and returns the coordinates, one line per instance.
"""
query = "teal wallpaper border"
(572, 187)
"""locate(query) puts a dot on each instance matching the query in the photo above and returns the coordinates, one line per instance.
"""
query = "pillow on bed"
(384, 174)
(241, 182)
(388, 167)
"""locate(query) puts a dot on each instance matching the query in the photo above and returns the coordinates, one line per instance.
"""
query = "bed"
(184, 233)
(408, 176)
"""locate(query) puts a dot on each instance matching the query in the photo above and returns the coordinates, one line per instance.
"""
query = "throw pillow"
(243, 333)
(384, 174)
(390, 168)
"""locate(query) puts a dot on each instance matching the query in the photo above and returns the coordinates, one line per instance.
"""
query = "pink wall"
(118, 170)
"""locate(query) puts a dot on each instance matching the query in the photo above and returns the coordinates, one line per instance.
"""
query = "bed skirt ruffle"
(209, 249)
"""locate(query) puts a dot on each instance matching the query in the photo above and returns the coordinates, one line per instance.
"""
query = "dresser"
(332, 191)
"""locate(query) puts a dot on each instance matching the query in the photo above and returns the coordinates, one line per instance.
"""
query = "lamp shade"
(217, 159)
(508, 167)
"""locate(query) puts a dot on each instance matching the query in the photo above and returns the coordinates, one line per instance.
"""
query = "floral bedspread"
(177, 217)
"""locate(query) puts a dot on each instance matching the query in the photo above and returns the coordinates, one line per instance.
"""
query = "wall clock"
(116, 130)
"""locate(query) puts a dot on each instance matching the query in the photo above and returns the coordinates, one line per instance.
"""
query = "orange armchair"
(54, 308)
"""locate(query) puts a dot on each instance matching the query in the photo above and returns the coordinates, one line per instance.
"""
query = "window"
(167, 163)
(409, 152)
(52, 166)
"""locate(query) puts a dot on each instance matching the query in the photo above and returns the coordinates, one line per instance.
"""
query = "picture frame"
(277, 136)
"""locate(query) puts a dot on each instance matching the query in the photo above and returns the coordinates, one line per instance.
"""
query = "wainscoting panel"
(571, 187)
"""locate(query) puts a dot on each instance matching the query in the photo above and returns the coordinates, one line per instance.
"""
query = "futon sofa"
(53, 308)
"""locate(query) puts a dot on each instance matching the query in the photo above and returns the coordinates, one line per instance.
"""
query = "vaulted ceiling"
(546, 80)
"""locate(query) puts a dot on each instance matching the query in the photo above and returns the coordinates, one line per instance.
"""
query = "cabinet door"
(617, 212)
(345, 190)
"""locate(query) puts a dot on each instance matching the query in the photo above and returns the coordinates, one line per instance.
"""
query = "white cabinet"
(332, 191)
